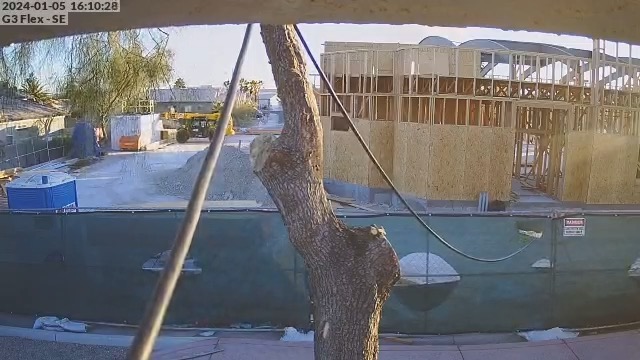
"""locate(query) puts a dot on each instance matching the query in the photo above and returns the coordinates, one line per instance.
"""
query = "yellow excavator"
(196, 125)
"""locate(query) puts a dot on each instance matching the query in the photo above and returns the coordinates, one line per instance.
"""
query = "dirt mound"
(233, 178)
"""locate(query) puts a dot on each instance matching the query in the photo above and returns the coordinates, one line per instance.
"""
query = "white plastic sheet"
(52, 323)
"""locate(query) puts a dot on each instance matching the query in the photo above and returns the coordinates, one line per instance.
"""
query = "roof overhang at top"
(611, 20)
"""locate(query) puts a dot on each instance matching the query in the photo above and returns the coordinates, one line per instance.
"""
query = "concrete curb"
(91, 339)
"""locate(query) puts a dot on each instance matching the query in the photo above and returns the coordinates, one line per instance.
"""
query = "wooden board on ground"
(3, 186)
(251, 131)
(9, 172)
(347, 202)
(212, 204)
(340, 199)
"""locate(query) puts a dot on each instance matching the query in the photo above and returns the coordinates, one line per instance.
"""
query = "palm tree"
(180, 84)
(34, 90)
(248, 88)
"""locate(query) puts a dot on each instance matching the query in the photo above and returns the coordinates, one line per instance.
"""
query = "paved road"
(23, 349)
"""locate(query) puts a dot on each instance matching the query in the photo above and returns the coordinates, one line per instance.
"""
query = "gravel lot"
(24, 349)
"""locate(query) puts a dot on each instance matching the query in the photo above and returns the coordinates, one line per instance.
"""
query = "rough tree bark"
(351, 270)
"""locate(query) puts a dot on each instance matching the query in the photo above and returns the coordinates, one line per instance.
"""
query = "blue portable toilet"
(52, 190)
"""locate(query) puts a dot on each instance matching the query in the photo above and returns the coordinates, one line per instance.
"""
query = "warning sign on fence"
(574, 227)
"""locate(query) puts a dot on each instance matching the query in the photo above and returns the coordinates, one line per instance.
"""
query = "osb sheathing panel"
(613, 167)
(577, 167)
(399, 154)
(416, 159)
(425, 60)
(446, 162)
(331, 46)
(361, 62)
(443, 162)
(327, 147)
(477, 162)
(350, 162)
(636, 193)
(501, 163)
(381, 144)
(466, 64)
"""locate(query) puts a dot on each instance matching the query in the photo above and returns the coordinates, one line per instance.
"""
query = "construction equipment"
(196, 125)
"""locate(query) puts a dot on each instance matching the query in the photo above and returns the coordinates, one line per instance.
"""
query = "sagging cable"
(386, 177)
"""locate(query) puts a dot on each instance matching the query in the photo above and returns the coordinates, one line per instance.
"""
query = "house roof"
(266, 94)
(208, 94)
(14, 108)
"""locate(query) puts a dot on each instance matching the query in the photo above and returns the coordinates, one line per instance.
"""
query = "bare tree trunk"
(351, 270)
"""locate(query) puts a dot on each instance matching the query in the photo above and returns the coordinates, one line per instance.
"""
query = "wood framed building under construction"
(451, 122)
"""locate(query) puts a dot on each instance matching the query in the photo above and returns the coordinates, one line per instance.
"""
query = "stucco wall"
(22, 129)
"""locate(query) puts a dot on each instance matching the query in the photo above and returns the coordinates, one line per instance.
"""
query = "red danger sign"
(574, 227)
(574, 222)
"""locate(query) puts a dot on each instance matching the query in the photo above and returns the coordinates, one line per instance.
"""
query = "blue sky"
(206, 54)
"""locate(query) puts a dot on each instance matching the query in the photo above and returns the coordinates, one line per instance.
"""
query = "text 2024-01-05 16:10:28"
(26, 12)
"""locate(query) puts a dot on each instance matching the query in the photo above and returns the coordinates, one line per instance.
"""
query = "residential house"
(268, 100)
(21, 119)
(193, 99)
(30, 133)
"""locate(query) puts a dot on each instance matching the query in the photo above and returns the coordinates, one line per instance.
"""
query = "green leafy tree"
(116, 69)
(104, 70)
(217, 106)
(180, 84)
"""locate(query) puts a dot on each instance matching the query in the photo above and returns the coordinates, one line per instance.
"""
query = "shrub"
(182, 135)
(244, 115)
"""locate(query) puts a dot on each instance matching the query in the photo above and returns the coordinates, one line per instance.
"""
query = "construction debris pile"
(233, 178)
(6, 176)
